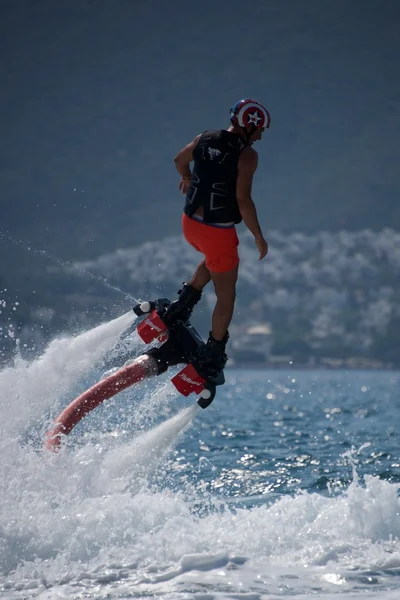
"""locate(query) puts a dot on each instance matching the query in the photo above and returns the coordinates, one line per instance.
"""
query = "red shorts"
(218, 244)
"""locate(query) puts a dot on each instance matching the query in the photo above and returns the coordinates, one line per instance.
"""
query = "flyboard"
(179, 344)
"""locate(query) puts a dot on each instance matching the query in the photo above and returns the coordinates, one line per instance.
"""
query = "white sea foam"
(30, 387)
(91, 521)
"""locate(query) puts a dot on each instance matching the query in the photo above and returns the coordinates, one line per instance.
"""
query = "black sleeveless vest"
(214, 175)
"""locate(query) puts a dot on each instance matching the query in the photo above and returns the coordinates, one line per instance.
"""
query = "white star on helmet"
(254, 118)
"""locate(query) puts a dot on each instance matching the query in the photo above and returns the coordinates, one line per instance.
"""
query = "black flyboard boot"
(211, 359)
(181, 309)
(164, 315)
(204, 370)
(180, 343)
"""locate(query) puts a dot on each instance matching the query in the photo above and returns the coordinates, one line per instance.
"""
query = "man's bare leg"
(225, 290)
(189, 296)
(201, 277)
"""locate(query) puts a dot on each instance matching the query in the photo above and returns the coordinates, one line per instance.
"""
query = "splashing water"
(31, 387)
(65, 265)
(99, 519)
(143, 454)
(45, 496)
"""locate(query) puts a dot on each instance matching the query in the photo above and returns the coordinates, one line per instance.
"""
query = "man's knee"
(226, 295)
(225, 279)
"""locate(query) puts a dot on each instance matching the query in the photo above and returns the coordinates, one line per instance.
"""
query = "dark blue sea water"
(285, 431)
(286, 486)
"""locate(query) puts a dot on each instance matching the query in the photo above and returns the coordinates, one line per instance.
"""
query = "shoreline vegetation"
(322, 300)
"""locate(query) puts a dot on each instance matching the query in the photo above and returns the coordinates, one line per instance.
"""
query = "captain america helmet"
(250, 112)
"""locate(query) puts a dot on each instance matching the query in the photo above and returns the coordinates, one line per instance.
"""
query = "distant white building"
(252, 343)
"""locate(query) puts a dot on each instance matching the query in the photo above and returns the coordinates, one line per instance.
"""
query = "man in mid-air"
(218, 196)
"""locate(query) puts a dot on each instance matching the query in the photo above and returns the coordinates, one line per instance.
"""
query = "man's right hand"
(262, 246)
(184, 185)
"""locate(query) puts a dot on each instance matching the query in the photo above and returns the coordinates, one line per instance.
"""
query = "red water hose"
(143, 367)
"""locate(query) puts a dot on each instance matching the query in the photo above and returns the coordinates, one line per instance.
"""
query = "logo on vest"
(213, 153)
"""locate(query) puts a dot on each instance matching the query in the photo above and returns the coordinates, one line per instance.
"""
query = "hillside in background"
(325, 295)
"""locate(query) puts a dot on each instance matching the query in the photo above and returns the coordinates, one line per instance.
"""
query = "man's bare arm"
(247, 166)
(184, 157)
(182, 163)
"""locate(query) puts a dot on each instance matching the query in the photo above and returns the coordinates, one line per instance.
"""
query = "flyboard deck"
(180, 344)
